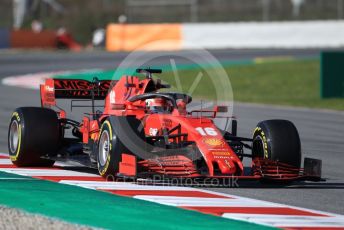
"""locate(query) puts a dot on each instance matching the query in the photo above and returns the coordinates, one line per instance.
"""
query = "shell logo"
(221, 153)
(213, 142)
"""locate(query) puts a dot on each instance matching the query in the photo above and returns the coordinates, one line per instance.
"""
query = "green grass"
(103, 210)
(293, 83)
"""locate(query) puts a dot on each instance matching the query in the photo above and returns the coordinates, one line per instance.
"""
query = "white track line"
(288, 221)
(32, 81)
(46, 172)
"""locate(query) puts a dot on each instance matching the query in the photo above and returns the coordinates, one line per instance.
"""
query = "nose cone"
(226, 166)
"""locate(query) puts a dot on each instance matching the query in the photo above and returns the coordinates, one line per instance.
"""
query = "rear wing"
(54, 89)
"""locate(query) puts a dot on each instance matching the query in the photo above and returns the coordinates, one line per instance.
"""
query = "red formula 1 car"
(142, 132)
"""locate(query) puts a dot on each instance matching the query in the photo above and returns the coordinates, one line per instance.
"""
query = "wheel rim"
(14, 136)
(104, 147)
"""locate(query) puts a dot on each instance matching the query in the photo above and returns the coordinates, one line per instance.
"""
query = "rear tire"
(277, 140)
(33, 132)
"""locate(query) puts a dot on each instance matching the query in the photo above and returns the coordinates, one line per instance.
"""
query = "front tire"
(109, 150)
(110, 144)
(33, 132)
(277, 140)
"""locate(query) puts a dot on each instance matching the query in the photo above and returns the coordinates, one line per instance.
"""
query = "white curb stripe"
(5, 162)
(204, 202)
(122, 186)
(288, 220)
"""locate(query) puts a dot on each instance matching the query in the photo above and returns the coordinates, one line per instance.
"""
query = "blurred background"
(82, 17)
(293, 48)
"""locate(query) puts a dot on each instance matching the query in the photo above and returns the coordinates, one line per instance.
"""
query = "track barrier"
(306, 34)
(4, 38)
(332, 74)
(30, 39)
(128, 37)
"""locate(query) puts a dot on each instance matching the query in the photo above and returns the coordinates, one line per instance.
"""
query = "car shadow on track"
(238, 184)
(292, 185)
(81, 169)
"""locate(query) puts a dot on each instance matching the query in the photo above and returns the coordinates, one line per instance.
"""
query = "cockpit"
(163, 102)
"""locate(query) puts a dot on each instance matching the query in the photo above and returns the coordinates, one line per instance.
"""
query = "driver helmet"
(181, 105)
(158, 105)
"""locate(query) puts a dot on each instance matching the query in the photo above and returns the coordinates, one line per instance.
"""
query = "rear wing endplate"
(54, 89)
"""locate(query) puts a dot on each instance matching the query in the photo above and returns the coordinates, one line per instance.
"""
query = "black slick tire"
(33, 132)
(277, 140)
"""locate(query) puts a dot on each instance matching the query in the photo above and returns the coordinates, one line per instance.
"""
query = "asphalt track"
(321, 131)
